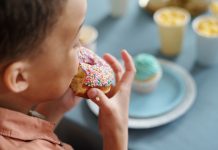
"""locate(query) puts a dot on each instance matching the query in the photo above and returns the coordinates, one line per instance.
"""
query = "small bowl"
(88, 37)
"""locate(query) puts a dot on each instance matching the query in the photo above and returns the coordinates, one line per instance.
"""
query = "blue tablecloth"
(136, 32)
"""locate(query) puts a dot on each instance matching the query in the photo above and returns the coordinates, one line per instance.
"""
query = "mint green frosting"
(146, 66)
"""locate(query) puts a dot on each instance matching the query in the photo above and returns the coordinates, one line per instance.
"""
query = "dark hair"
(24, 24)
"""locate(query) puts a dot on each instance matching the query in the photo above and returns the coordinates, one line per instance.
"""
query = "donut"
(93, 72)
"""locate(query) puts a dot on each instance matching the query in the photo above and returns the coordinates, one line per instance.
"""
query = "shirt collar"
(21, 126)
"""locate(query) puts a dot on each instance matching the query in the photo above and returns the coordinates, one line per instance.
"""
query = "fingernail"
(97, 98)
(92, 93)
(124, 50)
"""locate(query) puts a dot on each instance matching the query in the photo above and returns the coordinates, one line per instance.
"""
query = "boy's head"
(38, 47)
(24, 24)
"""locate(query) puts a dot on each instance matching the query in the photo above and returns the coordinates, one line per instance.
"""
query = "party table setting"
(181, 110)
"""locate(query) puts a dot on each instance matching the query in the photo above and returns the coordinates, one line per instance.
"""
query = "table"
(136, 32)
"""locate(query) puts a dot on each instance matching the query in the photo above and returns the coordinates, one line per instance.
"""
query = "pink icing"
(98, 72)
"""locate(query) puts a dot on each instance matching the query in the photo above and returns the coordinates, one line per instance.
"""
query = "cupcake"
(148, 73)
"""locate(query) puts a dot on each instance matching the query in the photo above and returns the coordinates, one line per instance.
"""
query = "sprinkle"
(98, 72)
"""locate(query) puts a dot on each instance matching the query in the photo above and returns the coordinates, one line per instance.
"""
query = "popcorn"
(214, 8)
(208, 27)
(172, 17)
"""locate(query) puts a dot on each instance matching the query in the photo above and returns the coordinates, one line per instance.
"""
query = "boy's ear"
(16, 77)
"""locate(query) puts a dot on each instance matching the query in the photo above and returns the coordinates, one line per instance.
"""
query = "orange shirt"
(22, 132)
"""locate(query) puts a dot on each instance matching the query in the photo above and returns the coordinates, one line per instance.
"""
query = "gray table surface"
(136, 32)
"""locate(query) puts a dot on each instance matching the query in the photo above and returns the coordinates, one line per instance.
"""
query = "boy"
(38, 59)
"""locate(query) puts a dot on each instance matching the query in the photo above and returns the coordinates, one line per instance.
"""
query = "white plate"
(179, 110)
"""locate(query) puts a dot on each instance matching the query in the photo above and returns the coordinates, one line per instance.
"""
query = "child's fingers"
(116, 66)
(97, 96)
(130, 69)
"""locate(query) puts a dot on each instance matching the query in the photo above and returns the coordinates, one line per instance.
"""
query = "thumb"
(97, 96)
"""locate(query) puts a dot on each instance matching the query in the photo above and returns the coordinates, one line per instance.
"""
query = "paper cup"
(206, 43)
(171, 22)
(88, 37)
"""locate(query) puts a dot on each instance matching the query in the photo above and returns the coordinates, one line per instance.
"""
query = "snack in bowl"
(208, 27)
(88, 37)
(148, 73)
(93, 72)
(206, 31)
(214, 8)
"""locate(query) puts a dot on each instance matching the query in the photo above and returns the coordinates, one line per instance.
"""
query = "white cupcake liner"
(146, 86)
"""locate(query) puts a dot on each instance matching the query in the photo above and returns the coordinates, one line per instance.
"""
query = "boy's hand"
(113, 112)
(54, 110)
